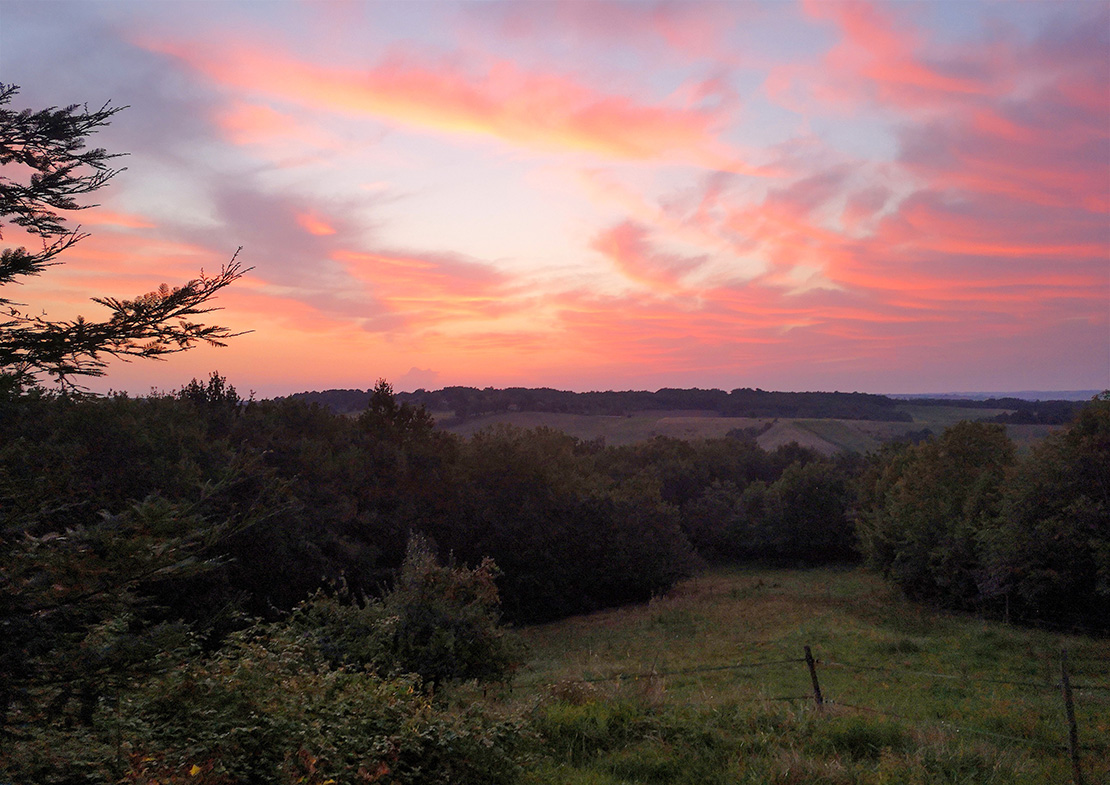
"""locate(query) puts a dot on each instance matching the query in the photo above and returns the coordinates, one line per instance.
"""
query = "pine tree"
(49, 146)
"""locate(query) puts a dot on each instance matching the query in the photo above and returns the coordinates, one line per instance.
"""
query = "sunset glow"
(823, 195)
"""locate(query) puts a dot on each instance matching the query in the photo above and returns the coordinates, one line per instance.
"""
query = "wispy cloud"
(542, 110)
(863, 195)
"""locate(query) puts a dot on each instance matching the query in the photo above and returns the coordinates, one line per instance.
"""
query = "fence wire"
(958, 677)
(898, 672)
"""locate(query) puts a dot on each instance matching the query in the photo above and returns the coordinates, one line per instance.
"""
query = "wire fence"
(1099, 693)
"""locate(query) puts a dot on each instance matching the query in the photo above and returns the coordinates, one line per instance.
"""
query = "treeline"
(965, 522)
(1021, 412)
(306, 496)
(465, 402)
(457, 404)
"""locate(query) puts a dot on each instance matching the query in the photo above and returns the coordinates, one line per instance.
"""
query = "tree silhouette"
(46, 151)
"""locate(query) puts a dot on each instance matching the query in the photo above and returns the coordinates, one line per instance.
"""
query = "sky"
(888, 197)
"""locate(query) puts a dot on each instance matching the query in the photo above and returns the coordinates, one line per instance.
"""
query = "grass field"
(825, 436)
(715, 689)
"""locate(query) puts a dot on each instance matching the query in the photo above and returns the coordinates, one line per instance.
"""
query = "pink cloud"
(314, 224)
(693, 30)
(986, 231)
(429, 288)
(538, 110)
(110, 218)
(862, 205)
(627, 246)
(879, 58)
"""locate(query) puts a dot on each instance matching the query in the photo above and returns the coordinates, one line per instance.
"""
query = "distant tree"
(392, 420)
(48, 148)
(714, 523)
(566, 539)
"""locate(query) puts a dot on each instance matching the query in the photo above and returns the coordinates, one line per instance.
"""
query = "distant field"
(825, 436)
(714, 689)
(945, 416)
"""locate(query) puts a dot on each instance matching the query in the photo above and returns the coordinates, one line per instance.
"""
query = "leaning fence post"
(1069, 708)
(813, 677)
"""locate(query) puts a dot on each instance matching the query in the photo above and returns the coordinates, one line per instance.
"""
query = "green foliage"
(437, 622)
(394, 421)
(802, 516)
(926, 505)
(75, 605)
(98, 689)
(963, 521)
(566, 543)
(1048, 552)
(444, 620)
(269, 708)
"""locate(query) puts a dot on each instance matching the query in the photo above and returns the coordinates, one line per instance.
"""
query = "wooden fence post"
(1069, 708)
(813, 677)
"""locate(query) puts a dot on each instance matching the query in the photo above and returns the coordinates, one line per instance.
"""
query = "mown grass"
(650, 694)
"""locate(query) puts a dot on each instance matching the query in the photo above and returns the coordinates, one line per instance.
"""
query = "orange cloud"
(541, 111)
(247, 123)
(988, 222)
(626, 245)
(102, 217)
(429, 289)
(879, 52)
(315, 225)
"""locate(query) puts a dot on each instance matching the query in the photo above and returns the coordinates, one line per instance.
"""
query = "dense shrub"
(269, 708)
(97, 690)
(438, 622)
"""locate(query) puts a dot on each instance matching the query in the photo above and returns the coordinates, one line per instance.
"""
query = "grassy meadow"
(827, 436)
(715, 689)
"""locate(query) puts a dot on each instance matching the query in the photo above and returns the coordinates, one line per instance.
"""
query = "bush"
(440, 623)
(269, 708)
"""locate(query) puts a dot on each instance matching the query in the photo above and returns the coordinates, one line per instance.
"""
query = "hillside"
(708, 685)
